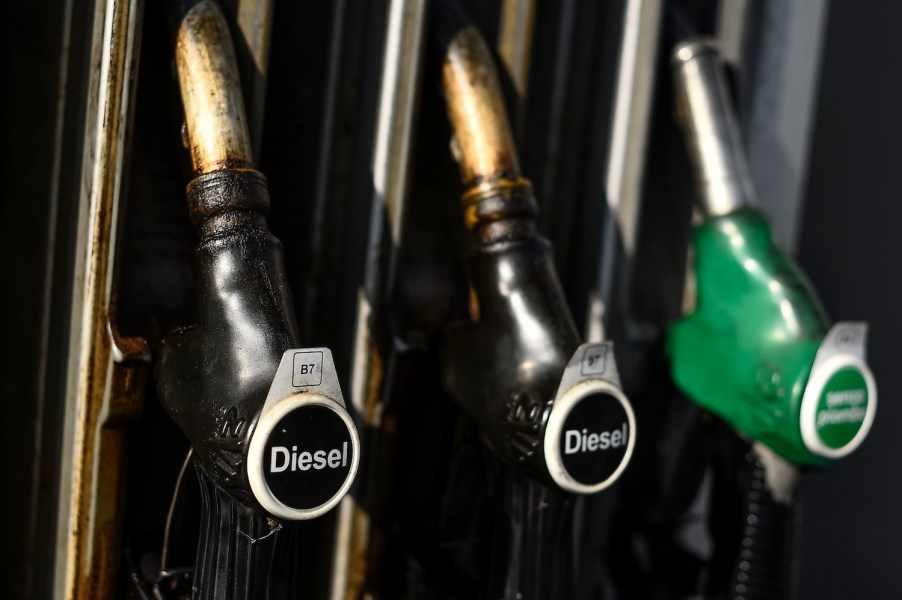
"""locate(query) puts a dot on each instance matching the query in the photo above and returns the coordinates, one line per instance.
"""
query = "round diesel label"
(841, 408)
(590, 437)
(303, 456)
(594, 438)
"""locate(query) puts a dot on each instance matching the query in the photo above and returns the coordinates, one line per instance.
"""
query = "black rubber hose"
(754, 534)
(533, 556)
(241, 553)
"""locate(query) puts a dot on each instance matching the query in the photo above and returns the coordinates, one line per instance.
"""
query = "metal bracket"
(590, 435)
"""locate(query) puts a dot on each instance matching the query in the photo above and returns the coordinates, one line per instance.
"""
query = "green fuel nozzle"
(758, 350)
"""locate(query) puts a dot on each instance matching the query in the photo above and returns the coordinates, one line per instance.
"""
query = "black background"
(851, 248)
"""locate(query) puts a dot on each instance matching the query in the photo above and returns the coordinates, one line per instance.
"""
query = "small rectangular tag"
(594, 359)
(307, 369)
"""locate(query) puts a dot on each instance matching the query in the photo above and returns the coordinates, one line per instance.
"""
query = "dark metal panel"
(850, 248)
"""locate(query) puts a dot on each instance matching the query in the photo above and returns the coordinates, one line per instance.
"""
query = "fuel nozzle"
(548, 406)
(759, 349)
(266, 419)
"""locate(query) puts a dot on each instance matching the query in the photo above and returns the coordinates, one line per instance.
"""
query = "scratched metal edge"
(101, 397)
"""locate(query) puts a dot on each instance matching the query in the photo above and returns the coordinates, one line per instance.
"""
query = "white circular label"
(590, 437)
(303, 456)
(838, 406)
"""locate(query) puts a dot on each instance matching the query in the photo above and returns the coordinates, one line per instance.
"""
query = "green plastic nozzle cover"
(747, 351)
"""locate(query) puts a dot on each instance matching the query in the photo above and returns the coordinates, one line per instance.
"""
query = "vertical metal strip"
(626, 156)
(515, 31)
(254, 19)
(328, 116)
(397, 100)
(551, 169)
(401, 64)
(100, 398)
(352, 522)
(43, 369)
(780, 109)
(733, 23)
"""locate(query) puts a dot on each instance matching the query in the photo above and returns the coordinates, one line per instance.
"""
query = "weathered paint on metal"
(105, 372)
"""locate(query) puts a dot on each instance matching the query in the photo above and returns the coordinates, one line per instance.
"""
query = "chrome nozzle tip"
(687, 50)
(706, 115)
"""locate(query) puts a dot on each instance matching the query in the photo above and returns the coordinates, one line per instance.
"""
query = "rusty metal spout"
(482, 144)
(217, 129)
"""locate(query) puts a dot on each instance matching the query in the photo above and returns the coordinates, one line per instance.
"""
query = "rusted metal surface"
(217, 133)
(105, 372)
(483, 145)
(352, 558)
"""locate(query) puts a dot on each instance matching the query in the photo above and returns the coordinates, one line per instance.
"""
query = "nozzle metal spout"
(217, 130)
(483, 144)
(709, 125)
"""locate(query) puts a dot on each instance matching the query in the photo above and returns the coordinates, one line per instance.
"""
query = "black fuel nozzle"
(267, 422)
(758, 350)
(550, 409)
(518, 367)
